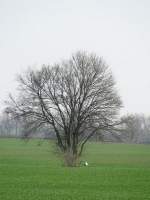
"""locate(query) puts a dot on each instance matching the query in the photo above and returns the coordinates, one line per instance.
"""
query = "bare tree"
(77, 98)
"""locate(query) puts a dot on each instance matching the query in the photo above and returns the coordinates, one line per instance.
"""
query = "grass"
(115, 172)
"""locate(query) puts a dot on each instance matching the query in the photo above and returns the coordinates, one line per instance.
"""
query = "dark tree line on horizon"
(135, 128)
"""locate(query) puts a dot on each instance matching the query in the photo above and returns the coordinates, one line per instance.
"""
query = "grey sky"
(33, 32)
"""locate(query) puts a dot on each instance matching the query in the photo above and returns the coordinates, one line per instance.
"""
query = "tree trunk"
(71, 159)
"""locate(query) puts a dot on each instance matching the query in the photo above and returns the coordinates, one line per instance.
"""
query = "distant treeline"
(134, 128)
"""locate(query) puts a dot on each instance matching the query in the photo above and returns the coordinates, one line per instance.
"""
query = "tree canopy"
(76, 98)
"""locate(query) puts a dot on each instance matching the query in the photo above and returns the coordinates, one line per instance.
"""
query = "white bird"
(86, 163)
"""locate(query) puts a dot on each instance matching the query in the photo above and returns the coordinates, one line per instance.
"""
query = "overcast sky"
(35, 32)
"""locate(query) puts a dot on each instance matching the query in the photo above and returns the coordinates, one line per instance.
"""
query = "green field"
(32, 172)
